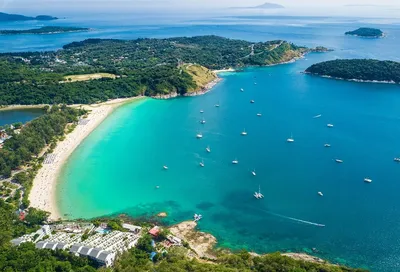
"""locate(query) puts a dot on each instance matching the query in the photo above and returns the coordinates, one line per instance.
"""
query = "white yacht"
(290, 140)
(199, 135)
(367, 180)
(208, 149)
(338, 161)
(165, 167)
(320, 193)
(258, 194)
(327, 145)
(235, 161)
(329, 125)
(244, 133)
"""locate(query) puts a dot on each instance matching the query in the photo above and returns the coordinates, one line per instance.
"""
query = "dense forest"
(142, 66)
(358, 69)
(44, 30)
(366, 32)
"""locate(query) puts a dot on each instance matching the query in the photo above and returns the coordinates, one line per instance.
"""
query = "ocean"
(117, 168)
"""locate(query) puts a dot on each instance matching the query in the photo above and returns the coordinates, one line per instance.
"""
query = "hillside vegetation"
(143, 66)
(358, 69)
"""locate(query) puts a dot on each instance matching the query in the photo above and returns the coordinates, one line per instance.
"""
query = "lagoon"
(8, 117)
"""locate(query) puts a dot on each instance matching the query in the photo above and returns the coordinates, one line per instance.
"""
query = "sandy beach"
(43, 193)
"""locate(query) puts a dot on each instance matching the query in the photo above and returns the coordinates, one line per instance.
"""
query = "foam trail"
(293, 219)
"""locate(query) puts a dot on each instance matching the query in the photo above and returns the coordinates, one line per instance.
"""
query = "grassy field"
(201, 75)
(87, 77)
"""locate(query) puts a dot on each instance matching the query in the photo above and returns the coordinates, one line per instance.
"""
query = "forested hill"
(366, 32)
(44, 30)
(142, 66)
(5, 17)
(358, 69)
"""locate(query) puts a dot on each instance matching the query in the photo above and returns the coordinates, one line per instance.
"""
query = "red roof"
(21, 216)
(154, 231)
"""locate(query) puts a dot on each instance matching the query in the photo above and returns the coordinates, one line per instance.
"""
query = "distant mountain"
(5, 17)
(263, 6)
(269, 6)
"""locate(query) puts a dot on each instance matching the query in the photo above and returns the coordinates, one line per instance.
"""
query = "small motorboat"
(290, 140)
(203, 121)
(338, 161)
(165, 167)
(327, 145)
(235, 161)
(199, 135)
(242, 90)
(201, 111)
(259, 114)
(252, 101)
(329, 125)
(320, 193)
(202, 163)
(367, 180)
(253, 172)
(208, 149)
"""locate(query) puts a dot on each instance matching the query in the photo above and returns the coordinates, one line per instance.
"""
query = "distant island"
(263, 6)
(44, 30)
(5, 17)
(365, 70)
(366, 32)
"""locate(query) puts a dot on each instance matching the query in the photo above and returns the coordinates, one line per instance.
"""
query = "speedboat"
(327, 145)
(208, 149)
(252, 101)
(199, 136)
(165, 167)
(244, 133)
(329, 125)
(320, 193)
(290, 140)
(235, 161)
(338, 161)
(367, 180)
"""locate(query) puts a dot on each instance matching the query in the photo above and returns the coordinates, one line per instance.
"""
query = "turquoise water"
(15, 116)
(117, 168)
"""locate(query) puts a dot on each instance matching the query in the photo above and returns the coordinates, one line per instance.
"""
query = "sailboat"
(199, 135)
(258, 194)
(235, 161)
(244, 133)
(217, 105)
(202, 163)
(290, 140)
(253, 172)
(208, 149)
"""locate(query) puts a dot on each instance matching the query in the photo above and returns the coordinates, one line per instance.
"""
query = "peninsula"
(366, 32)
(45, 30)
(5, 17)
(366, 70)
(150, 67)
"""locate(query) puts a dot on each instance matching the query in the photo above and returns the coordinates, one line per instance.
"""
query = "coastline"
(22, 107)
(351, 80)
(43, 193)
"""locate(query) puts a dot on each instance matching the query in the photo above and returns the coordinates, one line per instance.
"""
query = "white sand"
(43, 193)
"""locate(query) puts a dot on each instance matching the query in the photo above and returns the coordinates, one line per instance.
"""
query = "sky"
(389, 8)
